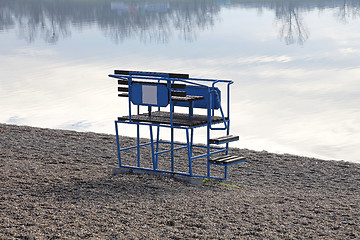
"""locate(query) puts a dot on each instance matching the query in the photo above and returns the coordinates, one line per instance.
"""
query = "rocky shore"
(57, 184)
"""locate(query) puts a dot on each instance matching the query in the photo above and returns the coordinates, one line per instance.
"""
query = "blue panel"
(149, 94)
(201, 91)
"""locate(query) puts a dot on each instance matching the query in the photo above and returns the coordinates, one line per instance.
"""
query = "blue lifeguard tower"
(160, 94)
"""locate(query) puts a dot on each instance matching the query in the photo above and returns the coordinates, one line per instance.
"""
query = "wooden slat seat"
(179, 119)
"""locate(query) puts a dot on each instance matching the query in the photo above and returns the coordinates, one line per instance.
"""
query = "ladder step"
(223, 139)
(123, 95)
(227, 159)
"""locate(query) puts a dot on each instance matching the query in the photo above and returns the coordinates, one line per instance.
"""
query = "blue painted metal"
(138, 144)
(118, 143)
(189, 151)
(152, 148)
(202, 91)
(157, 145)
(154, 90)
(158, 96)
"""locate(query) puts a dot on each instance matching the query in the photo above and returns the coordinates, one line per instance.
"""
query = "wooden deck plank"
(179, 119)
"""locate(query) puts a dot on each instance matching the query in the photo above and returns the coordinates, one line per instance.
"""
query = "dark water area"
(295, 64)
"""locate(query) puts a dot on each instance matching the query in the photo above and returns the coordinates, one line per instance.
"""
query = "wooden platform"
(179, 119)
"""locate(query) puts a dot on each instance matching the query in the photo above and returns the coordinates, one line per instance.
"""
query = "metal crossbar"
(170, 90)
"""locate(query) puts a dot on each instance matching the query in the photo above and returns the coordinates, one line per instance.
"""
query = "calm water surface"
(296, 65)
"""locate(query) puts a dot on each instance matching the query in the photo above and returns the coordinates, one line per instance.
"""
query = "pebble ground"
(57, 184)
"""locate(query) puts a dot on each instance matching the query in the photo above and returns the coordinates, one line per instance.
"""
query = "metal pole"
(228, 116)
(157, 145)
(118, 143)
(208, 132)
(172, 126)
(138, 144)
(189, 151)
(129, 98)
(192, 138)
(152, 148)
(172, 149)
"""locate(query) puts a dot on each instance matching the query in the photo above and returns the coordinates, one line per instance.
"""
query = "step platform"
(224, 139)
(227, 160)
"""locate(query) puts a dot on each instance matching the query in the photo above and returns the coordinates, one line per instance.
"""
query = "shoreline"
(58, 184)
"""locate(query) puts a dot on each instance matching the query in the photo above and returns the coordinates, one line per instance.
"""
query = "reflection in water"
(153, 21)
(292, 27)
(149, 21)
(348, 11)
(36, 19)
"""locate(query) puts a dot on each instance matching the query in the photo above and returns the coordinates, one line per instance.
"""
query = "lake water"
(295, 64)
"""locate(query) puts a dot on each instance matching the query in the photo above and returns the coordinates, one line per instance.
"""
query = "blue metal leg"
(152, 148)
(189, 151)
(208, 151)
(228, 115)
(138, 144)
(172, 149)
(157, 146)
(227, 133)
(191, 139)
(191, 109)
(208, 134)
(118, 143)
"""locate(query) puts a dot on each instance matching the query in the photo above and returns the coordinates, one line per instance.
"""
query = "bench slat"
(159, 74)
(123, 95)
(123, 82)
(178, 93)
(227, 159)
(123, 89)
(178, 85)
(223, 139)
(174, 85)
(186, 98)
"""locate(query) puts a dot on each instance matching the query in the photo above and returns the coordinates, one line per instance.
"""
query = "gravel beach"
(57, 184)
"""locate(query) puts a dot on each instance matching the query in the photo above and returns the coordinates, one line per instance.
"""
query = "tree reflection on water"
(348, 11)
(292, 27)
(154, 21)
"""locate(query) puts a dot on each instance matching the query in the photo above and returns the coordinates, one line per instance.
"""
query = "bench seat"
(179, 119)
